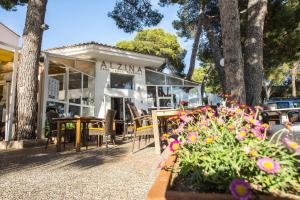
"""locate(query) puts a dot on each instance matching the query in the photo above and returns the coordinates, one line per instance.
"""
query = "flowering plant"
(229, 150)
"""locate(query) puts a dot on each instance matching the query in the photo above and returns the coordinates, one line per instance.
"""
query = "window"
(75, 86)
(173, 81)
(153, 78)
(121, 81)
(71, 87)
(283, 105)
(56, 84)
(151, 96)
(164, 91)
(59, 107)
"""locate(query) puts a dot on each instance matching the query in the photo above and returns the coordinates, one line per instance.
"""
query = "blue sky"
(83, 21)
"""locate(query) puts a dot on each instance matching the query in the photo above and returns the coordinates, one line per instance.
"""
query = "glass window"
(121, 81)
(283, 105)
(74, 110)
(180, 95)
(296, 104)
(165, 103)
(56, 82)
(174, 81)
(86, 111)
(88, 90)
(164, 91)
(75, 90)
(59, 107)
(153, 78)
(151, 96)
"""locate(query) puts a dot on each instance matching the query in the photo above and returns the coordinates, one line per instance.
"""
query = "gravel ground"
(89, 174)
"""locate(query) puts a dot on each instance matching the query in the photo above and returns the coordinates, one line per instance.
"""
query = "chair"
(142, 125)
(104, 128)
(51, 126)
(271, 117)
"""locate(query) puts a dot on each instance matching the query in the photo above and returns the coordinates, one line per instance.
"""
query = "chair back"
(109, 121)
(49, 118)
(134, 113)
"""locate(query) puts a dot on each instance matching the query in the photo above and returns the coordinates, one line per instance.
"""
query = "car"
(282, 103)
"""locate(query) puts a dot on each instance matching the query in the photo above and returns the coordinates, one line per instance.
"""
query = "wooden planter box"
(160, 190)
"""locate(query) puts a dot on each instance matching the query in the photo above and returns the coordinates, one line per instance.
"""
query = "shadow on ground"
(11, 161)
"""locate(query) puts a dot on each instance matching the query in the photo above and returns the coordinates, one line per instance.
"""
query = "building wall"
(103, 92)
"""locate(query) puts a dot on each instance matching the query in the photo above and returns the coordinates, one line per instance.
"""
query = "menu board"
(53, 88)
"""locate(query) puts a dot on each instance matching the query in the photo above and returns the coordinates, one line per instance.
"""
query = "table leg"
(86, 134)
(78, 135)
(58, 137)
(156, 132)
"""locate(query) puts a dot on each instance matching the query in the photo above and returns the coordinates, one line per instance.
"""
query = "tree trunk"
(294, 74)
(195, 47)
(257, 10)
(216, 50)
(27, 79)
(203, 83)
(232, 51)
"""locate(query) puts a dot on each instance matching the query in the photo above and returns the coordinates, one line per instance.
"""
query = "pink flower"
(242, 134)
(174, 146)
(240, 189)
(292, 145)
(268, 165)
(192, 137)
(257, 133)
(186, 118)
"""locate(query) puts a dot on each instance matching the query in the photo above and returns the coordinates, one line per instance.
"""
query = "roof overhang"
(9, 40)
(107, 53)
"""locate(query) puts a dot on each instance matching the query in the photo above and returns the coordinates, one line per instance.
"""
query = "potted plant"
(226, 154)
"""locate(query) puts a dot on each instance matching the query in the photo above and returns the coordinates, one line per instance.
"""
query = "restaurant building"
(87, 79)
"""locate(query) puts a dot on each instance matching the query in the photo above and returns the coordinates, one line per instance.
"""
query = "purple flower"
(240, 189)
(242, 134)
(268, 165)
(192, 137)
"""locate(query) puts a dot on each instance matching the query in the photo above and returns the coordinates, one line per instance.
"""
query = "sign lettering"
(121, 68)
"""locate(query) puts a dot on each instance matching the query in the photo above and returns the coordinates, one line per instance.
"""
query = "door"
(122, 114)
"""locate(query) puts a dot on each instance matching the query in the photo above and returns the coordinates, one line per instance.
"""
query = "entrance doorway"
(122, 114)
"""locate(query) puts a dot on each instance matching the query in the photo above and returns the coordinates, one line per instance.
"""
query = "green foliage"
(282, 33)
(229, 146)
(11, 5)
(212, 84)
(157, 42)
(279, 75)
(134, 15)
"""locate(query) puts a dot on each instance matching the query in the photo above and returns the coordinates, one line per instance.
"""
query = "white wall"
(103, 92)
(8, 37)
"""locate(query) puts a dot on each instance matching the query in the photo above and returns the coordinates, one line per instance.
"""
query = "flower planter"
(160, 190)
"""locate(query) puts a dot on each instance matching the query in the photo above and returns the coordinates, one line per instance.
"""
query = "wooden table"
(156, 114)
(78, 121)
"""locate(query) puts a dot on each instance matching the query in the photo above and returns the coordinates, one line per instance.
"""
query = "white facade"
(111, 60)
